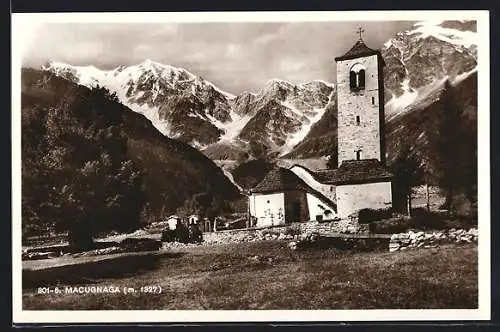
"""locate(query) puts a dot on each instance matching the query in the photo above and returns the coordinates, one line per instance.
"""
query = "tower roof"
(360, 50)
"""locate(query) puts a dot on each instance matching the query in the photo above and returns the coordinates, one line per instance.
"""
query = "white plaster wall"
(366, 135)
(354, 197)
(314, 205)
(325, 189)
(269, 209)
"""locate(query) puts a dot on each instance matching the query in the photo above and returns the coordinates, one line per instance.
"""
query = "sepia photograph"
(167, 166)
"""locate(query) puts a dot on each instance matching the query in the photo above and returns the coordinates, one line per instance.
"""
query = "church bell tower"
(360, 103)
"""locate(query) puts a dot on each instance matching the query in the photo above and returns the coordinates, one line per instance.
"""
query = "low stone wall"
(412, 239)
(344, 226)
(247, 235)
(343, 242)
(288, 232)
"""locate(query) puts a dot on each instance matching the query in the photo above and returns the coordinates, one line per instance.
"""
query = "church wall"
(364, 136)
(317, 207)
(268, 209)
(354, 197)
(326, 189)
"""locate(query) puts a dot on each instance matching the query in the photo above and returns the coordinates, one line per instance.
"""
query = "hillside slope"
(174, 171)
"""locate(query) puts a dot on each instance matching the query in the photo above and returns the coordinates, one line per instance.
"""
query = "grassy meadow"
(267, 275)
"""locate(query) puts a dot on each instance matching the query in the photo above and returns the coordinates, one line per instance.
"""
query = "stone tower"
(360, 103)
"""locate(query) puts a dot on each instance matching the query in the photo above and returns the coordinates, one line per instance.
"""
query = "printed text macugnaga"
(98, 290)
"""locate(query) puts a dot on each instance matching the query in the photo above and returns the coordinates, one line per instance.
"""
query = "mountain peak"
(453, 32)
(277, 81)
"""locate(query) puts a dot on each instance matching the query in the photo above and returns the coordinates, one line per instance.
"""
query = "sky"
(234, 56)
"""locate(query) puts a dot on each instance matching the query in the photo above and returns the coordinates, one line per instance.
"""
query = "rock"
(292, 245)
(392, 249)
(394, 245)
(254, 258)
(404, 236)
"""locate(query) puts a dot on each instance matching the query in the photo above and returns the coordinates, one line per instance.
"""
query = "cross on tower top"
(359, 32)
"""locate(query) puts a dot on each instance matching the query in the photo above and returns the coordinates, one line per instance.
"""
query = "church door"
(296, 211)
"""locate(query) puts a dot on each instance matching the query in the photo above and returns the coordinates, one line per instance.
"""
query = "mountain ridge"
(297, 117)
(174, 171)
(185, 106)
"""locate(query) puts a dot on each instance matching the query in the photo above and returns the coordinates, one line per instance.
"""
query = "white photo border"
(23, 26)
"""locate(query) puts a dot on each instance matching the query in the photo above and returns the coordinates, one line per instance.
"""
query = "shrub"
(423, 219)
(390, 226)
(368, 215)
(195, 235)
(293, 230)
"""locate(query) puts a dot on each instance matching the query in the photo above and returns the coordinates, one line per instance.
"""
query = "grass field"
(232, 277)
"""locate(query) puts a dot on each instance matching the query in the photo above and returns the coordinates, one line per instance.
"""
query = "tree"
(78, 175)
(332, 162)
(190, 207)
(201, 204)
(408, 172)
(453, 148)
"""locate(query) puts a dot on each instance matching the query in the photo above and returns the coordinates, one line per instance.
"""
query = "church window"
(361, 79)
(357, 120)
(373, 100)
(352, 80)
(357, 77)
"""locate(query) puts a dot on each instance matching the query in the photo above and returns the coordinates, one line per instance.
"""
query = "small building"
(282, 198)
(193, 219)
(173, 221)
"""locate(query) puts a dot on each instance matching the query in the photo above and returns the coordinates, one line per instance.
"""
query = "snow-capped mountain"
(187, 107)
(281, 114)
(419, 60)
(179, 104)
(283, 118)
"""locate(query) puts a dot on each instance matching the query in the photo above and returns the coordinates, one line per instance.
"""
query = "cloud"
(235, 56)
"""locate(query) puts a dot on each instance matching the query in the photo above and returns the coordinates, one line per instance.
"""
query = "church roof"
(355, 172)
(283, 179)
(360, 50)
(280, 179)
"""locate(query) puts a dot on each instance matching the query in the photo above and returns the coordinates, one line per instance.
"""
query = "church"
(361, 179)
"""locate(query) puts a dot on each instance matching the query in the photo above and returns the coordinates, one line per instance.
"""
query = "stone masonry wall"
(412, 239)
(366, 135)
(280, 232)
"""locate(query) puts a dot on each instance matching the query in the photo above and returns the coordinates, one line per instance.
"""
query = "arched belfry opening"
(357, 77)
